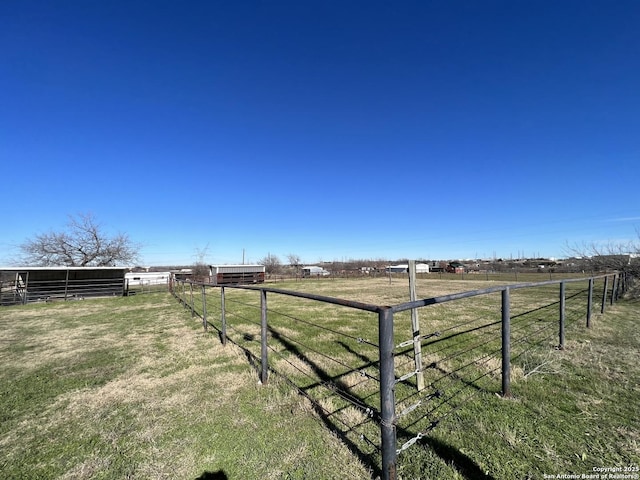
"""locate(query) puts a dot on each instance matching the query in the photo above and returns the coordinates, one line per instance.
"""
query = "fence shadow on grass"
(219, 475)
(335, 384)
(450, 455)
(453, 456)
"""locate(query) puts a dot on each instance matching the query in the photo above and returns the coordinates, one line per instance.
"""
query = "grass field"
(133, 388)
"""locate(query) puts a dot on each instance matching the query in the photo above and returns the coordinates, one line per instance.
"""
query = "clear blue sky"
(327, 129)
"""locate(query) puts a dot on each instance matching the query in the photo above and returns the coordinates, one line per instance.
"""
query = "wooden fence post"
(415, 326)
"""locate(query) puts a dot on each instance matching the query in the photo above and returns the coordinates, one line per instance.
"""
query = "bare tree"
(620, 256)
(295, 262)
(82, 244)
(271, 264)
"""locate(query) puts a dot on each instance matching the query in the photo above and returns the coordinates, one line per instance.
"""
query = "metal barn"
(34, 284)
(236, 274)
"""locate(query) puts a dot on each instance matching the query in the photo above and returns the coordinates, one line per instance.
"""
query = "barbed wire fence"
(376, 380)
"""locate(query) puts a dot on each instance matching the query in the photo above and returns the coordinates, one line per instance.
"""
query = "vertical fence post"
(613, 289)
(193, 310)
(562, 312)
(604, 293)
(204, 308)
(506, 345)
(589, 302)
(415, 327)
(66, 285)
(26, 289)
(387, 393)
(223, 317)
(263, 336)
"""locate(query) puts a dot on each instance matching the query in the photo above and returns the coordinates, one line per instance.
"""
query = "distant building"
(397, 268)
(236, 274)
(314, 271)
(147, 278)
(35, 284)
(404, 268)
(455, 267)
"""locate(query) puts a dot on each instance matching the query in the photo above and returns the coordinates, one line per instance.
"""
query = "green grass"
(542, 429)
(134, 388)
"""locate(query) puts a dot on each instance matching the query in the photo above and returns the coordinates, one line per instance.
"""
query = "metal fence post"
(506, 345)
(613, 290)
(223, 317)
(26, 289)
(66, 286)
(263, 336)
(193, 310)
(387, 393)
(604, 293)
(562, 312)
(589, 302)
(204, 308)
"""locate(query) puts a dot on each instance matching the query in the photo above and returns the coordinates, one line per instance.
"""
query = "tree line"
(84, 242)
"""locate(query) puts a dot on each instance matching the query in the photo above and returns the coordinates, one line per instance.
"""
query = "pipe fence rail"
(23, 291)
(377, 379)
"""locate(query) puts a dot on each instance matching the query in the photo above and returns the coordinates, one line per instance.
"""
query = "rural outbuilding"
(34, 284)
(236, 274)
(404, 268)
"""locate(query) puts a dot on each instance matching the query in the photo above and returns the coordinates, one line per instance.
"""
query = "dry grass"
(148, 417)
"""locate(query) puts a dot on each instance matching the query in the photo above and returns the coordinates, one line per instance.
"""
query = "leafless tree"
(83, 243)
(295, 262)
(271, 264)
(620, 256)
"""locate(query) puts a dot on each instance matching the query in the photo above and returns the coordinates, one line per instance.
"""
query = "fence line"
(369, 391)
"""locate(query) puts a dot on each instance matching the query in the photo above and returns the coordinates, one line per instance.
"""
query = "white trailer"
(147, 278)
(314, 271)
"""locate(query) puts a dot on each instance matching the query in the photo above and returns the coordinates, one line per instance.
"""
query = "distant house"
(455, 267)
(422, 268)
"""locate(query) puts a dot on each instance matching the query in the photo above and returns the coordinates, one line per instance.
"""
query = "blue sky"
(326, 129)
